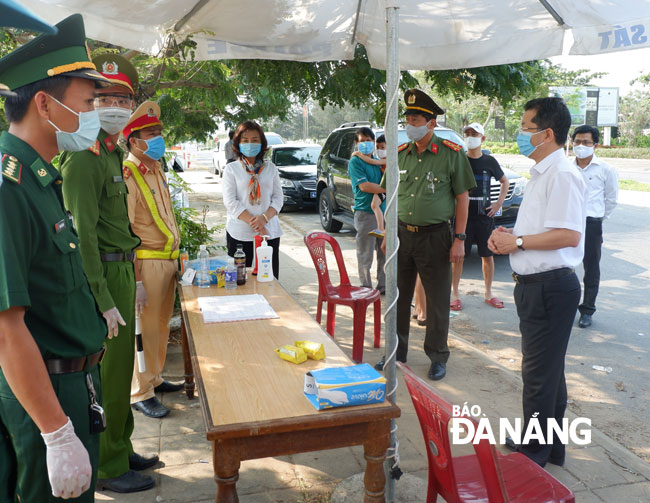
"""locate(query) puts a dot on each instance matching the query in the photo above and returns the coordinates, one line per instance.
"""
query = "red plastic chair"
(357, 297)
(488, 476)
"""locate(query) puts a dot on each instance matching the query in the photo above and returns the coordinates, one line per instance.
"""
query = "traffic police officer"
(152, 218)
(51, 333)
(95, 192)
(435, 177)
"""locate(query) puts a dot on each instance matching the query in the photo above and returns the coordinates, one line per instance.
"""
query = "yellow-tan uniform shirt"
(142, 221)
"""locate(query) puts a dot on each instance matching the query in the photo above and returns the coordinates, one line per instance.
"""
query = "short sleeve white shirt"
(602, 187)
(234, 188)
(555, 198)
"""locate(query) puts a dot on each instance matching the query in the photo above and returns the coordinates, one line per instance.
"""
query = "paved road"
(618, 402)
(628, 169)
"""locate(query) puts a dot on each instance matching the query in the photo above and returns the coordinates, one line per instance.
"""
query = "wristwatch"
(461, 236)
(520, 243)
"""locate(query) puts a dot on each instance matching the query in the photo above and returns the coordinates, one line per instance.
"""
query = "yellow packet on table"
(291, 353)
(221, 277)
(314, 350)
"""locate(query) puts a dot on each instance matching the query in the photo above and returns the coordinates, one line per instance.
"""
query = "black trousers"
(248, 246)
(591, 263)
(546, 312)
(427, 254)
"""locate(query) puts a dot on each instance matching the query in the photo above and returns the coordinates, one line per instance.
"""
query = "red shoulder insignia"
(11, 168)
(126, 172)
(109, 144)
(143, 169)
(402, 146)
(454, 146)
(434, 148)
(95, 148)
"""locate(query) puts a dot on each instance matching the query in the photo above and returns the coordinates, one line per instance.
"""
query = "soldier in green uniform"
(95, 193)
(434, 179)
(51, 333)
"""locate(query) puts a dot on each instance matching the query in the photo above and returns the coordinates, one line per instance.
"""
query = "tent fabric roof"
(434, 34)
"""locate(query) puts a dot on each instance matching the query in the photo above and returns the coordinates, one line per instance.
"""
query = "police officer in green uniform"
(434, 179)
(95, 193)
(51, 333)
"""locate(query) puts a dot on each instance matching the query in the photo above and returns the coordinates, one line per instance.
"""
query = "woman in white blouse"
(252, 195)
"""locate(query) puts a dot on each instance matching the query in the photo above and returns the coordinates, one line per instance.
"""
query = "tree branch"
(185, 83)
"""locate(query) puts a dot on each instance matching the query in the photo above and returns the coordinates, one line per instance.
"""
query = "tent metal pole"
(181, 22)
(390, 317)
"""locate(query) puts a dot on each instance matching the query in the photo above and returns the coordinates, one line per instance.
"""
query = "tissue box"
(216, 263)
(344, 386)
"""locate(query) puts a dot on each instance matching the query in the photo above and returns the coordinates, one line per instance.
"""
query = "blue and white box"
(344, 386)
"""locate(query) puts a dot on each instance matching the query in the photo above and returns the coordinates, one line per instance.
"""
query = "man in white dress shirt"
(602, 197)
(545, 246)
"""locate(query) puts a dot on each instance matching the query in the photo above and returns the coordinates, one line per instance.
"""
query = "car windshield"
(296, 156)
(273, 139)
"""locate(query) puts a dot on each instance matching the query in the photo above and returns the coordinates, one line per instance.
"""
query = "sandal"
(494, 302)
(456, 305)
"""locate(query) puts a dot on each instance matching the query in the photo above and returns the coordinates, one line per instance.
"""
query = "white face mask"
(473, 142)
(381, 153)
(416, 133)
(582, 151)
(113, 119)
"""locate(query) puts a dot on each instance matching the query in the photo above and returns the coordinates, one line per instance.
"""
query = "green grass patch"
(633, 185)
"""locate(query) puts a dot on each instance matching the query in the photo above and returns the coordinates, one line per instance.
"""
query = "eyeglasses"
(586, 143)
(529, 129)
(113, 100)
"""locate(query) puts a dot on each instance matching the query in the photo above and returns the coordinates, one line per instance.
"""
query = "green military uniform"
(45, 275)
(41, 271)
(95, 193)
(426, 203)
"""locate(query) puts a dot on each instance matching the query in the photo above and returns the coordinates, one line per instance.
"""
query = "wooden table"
(252, 401)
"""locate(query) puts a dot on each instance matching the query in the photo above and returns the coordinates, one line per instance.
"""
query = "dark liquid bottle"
(240, 264)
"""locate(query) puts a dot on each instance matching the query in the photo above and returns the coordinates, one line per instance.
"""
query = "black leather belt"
(542, 276)
(117, 257)
(595, 219)
(69, 365)
(424, 228)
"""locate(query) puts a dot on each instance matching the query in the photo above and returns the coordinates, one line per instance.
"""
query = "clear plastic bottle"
(231, 275)
(203, 274)
(240, 264)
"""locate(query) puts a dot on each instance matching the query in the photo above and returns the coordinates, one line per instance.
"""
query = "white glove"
(141, 298)
(113, 317)
(68, 464)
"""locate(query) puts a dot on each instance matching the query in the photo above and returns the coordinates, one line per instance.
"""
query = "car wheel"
(326, 210)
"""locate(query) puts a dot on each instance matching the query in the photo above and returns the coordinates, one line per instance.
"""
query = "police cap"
(418, 102)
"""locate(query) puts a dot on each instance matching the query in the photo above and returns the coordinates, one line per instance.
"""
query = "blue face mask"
(155, 148)
(85, 135)
(523, 142)
(250, 149)
(366, 147)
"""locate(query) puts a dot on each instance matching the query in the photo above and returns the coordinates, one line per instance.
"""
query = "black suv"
(334, 190)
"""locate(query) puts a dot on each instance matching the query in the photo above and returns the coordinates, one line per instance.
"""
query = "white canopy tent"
(434, 34)
(397, 34)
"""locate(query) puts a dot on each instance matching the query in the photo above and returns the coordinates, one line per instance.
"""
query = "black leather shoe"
(437, 371)
(558, 461)
(151, 408)
(129, 482)
(139, 463)
(167, 387)
(584, 321)
(381, 363)
(510, 444)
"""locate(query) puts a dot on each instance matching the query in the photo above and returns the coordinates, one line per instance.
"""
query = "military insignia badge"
(411, 99)
(150, 112)
(42, 172)
(126, 172)
(452, 145)
(11, 168)
(110, 68)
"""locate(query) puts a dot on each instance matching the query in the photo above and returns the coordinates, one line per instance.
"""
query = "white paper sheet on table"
(235, 308)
